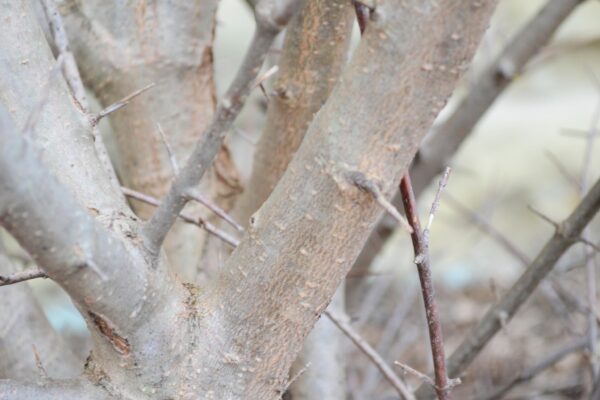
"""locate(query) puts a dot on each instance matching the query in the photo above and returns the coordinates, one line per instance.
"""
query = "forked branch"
(271, 17)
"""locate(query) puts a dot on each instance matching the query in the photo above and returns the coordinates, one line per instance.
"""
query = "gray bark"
(303, 240)
(124, 46)
(23, 325)
(154, 337)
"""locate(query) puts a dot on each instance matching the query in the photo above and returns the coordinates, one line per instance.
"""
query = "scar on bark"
(361, 181)
(119, 342)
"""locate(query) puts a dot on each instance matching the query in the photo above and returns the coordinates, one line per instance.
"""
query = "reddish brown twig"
(421, 248)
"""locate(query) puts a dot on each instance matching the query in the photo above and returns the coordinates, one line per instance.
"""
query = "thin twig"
(410, 370)
(69, 66)
(269, 21)
(562, 169)
(375, 358)
(367, 185)
(436, 201)
(531, 372)
(116, 106)
(420, 241)
(172, 158)
(21, 276)
(294, 379)
(75, 84)
(207, 226)
(260, 80)
(543, 216)
(196, 196)
(564, 237)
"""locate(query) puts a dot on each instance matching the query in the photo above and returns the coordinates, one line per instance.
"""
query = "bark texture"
(303, 240)
(154, 337)
(123, 46)
(314, 53)
(24, 325)
(446, 137)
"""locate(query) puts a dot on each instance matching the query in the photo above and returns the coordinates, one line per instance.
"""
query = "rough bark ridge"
(314, 53)
(304, 238)
(154, 337)
(124, 46)
(446, 137)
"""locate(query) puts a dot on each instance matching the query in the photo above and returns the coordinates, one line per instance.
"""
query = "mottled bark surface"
(136, 44)
(446, 136)
(154, 337)
(314, 52)
(303, 240)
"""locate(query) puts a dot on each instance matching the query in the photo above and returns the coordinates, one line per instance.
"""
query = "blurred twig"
(375, 358)
(566, 234)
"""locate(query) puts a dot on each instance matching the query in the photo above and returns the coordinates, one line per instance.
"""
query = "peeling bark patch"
(119, 342)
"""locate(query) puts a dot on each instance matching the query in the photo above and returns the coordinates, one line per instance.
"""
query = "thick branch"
(269, 23)
(446, 137)
(566, 235)
(314, 53)
(60, 128)
(61, 235)
(303, 240)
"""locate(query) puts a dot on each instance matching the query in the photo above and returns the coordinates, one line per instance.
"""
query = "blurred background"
(528, 151)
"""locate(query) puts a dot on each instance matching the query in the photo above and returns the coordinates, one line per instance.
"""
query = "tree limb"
(270, 20)
(59, 234)
(315, 50)
(446, 136)
(303, 240)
